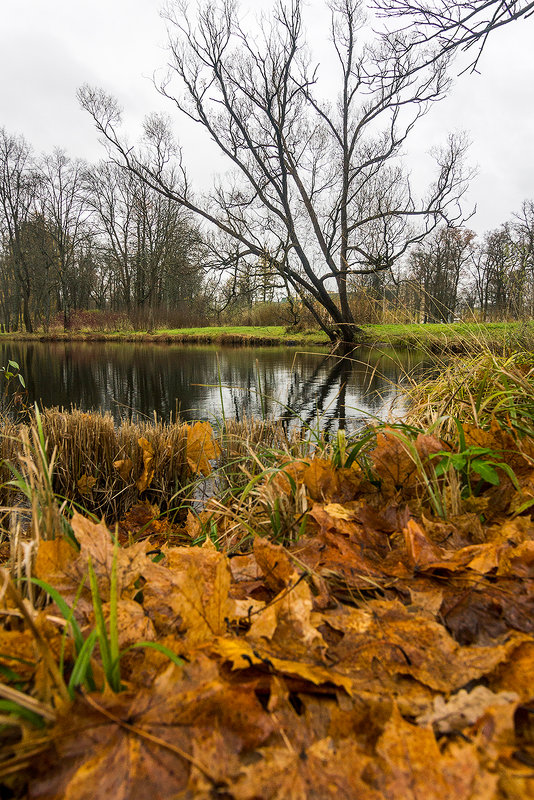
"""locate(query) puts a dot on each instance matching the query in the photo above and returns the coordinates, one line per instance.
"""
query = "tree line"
(314, 203)
(455, 274)
(76, 236)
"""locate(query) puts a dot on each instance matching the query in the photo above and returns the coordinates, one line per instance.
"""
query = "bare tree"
(18, 185)
(66, 211)
(317, 187)
(454, 25)
(110, 192)
(436, 268)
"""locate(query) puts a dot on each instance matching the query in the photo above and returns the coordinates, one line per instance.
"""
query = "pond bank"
(436, 337)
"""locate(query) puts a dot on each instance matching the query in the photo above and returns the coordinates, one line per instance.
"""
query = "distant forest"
(92, 245)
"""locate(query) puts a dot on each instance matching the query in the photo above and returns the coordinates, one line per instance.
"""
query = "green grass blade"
(82, 672)
(160, 648)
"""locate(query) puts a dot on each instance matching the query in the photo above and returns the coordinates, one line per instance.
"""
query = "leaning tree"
(314, 183)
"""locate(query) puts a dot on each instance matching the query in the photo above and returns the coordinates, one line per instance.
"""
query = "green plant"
(106, 635)
(474, 464)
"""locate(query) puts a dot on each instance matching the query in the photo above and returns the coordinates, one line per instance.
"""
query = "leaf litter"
(383, 652)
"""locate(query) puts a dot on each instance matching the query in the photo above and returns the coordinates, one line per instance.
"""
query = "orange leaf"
(148, 464)
(201, 447)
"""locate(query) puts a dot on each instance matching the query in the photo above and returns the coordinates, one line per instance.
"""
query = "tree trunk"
(26, 313)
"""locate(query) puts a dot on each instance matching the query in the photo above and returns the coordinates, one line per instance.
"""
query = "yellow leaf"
(338, 511)
(148, 464)
(201, 447)
(242, 655)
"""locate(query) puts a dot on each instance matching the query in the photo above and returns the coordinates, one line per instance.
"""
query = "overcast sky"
(48, 49)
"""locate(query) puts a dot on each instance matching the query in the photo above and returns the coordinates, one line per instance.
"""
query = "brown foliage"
(385, 654)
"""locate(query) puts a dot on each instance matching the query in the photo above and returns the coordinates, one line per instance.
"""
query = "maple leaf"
(275, 564)
(86, 484)
(396, 465)
(402, 641)
(516, 674)
(191, 588)
(327, 483)
(320, 771)
(60, 565)
(243, 656)
(138, 746)
(464, 708)
(286, 622)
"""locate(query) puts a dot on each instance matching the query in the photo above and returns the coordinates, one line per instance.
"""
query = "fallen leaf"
(412, 766)
(464, 708)
(243, 655)
(190, 591)
(137, 746)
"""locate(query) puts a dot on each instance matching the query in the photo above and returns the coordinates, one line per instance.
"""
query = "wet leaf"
(464, 708)
(190, 590)
(325, 483)
(320, 771)
(135, 746)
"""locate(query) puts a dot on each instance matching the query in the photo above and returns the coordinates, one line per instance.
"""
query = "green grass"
(438, 336)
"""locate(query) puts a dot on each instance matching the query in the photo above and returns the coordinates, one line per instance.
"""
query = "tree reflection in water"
(302, 388)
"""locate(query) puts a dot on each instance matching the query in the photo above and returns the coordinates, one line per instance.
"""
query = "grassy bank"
(344, 616)
(456, 337)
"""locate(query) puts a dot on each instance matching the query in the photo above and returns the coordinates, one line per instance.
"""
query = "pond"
(207, 382)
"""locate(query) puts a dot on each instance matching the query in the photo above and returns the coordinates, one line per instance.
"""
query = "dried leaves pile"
(386, 653)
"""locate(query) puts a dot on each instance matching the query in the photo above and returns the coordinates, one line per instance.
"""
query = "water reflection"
(205, 382)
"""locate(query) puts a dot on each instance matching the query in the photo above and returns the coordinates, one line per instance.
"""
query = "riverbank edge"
(453, 337)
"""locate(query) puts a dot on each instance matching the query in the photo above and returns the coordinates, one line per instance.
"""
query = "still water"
(205, 382)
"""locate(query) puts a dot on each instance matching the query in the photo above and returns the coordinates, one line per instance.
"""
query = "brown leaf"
(201, 447)
(326, 483)
(322, 770)
(412, 765)
(190, 589)
(134, 747)
(132, 623)
(54, 556)
(517, 674)
(393, 463)
(406, 642)
(286, 623)
(85, 485)
(59, 564)
(275, 563)
(464, 708)
(147, 475)
(243, 656)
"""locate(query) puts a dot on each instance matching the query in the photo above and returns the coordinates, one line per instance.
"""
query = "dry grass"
(475, 390)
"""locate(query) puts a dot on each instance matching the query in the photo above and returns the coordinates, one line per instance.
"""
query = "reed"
(475, 391)
(88, 449)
